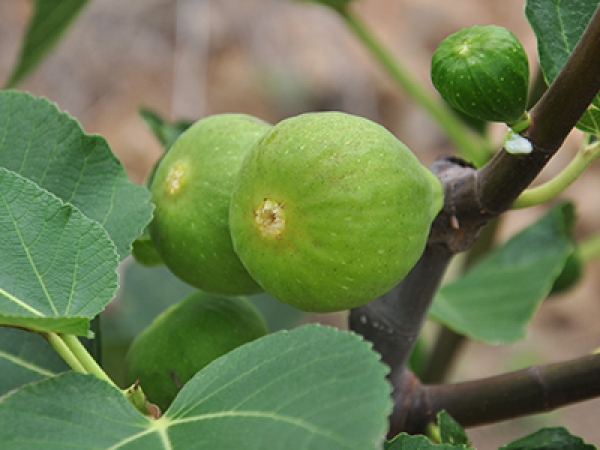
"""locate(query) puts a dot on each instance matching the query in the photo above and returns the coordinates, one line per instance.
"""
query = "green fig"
(483, 71)
(331, 210)
(191, 190)
(185, 338)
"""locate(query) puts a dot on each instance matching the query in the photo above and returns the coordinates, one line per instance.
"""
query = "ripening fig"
(331, 210)
(483, 71)
(185, 338)
(191, 190)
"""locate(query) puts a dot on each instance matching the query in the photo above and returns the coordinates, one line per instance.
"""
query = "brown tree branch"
(533, 390)
(448, 342)
(394, 321)
(503, 179)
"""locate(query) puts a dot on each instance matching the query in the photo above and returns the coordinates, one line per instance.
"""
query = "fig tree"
(185, 338)
(331, 210)
(191, 190)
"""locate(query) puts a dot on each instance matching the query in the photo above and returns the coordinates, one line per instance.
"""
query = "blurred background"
(186, 59)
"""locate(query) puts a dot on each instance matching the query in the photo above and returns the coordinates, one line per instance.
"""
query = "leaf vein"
(27, 365)
(264, 415)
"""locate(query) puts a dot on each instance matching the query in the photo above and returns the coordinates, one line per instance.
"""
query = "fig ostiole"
(185, 338)
(191, 190)
(331, 210)
(483, 71)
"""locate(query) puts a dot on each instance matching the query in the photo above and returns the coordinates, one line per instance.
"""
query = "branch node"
(537, 374)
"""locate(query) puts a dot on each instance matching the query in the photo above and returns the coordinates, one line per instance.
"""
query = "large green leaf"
(57, 267)
(497, 298)
(25, 357)
(70, 410)
(557, 438)
(50, 148)
(558, 26)
(50, 20)
(311, 388)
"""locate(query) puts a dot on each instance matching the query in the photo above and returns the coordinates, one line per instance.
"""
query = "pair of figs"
(323, 211)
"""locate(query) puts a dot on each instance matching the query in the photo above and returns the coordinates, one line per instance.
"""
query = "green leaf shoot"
(450, 430)
(417, 442)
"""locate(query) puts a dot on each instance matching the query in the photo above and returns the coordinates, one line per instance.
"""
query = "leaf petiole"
(547, 191)
(75, 355)
(522, 124)
(64, 351)
(589, 248)
(83, 357)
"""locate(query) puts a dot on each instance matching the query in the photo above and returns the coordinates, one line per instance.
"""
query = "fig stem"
(522, 124)
(73, 352)
(472, 147)
(547, 191)
(589, 248)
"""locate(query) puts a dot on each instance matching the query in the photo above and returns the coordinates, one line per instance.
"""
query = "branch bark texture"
(533, 390)
(394, 321)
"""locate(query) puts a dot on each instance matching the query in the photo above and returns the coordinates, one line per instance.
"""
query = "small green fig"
(483, 71)
(331, 210)
(185, 338)
(191, 190)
